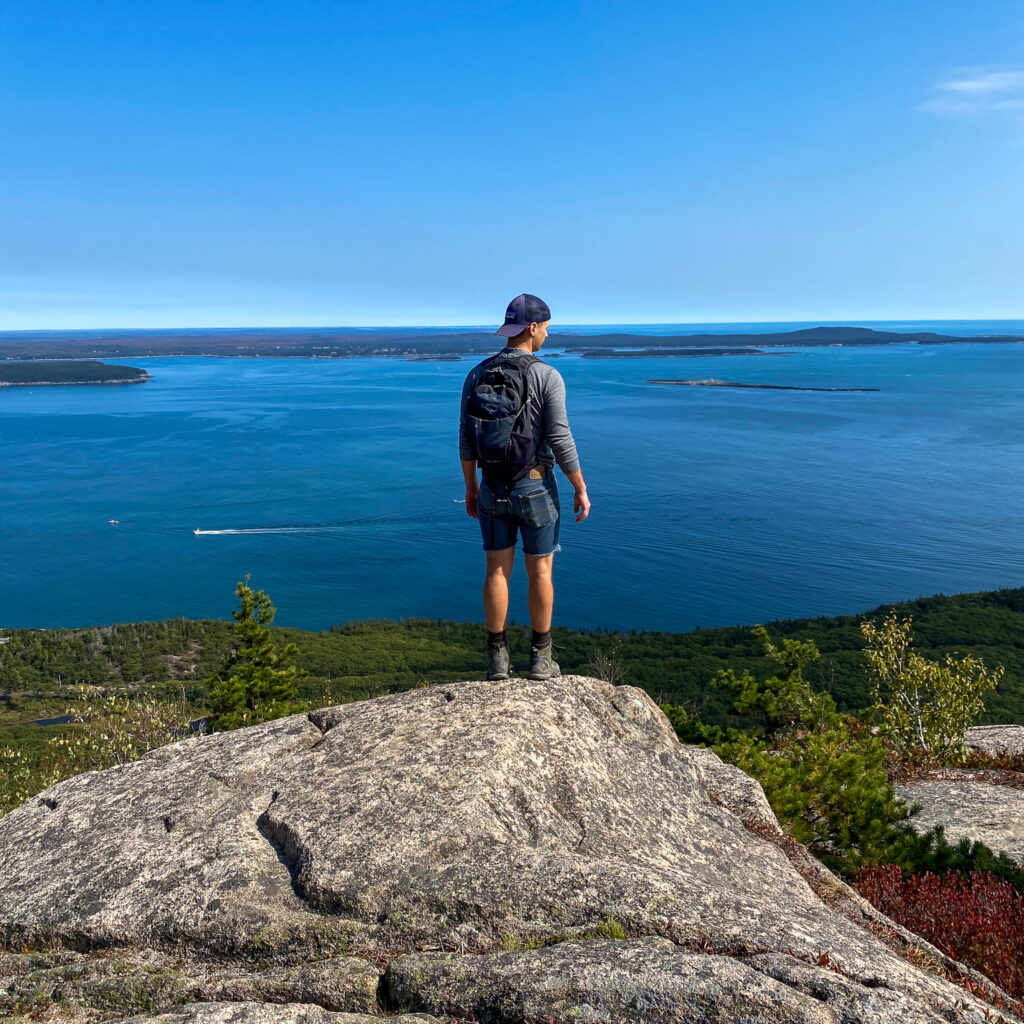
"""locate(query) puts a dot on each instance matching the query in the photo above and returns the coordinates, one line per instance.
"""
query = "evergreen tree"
(261, 682)
(785, 699)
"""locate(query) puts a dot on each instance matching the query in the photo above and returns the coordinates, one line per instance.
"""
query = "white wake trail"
(266, 529)
(371, 523)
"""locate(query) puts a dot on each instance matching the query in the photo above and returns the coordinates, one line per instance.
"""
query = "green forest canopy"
(364, 659)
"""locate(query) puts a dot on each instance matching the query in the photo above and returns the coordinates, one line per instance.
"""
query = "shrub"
(105, 730)
(931, 852)
(15, 779)
(823, 773)
(925, 707)
(829, 789)
(975, 917)
(785, 699)
(607, 665)
(1002, 760)
(117, 729)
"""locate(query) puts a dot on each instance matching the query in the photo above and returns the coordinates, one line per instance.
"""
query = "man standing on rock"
(513, 427)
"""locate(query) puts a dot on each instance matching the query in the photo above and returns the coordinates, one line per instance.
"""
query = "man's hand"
(580, 501)
(472, 486)
(581, 505)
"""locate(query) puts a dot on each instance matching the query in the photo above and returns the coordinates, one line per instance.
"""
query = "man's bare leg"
(542, 591)
(499, 569)
(542, 599)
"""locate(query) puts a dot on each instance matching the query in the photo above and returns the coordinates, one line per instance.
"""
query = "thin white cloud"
(977, 92)
(989, 82)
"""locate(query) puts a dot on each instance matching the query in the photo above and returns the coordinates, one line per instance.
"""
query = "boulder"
(490, 830)
(123, 980)
(646, 981)
(968, 805)
(997, 739)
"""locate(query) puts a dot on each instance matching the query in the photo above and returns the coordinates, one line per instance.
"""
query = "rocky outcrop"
(997, 739)
(978, 806)
(646, 980)
(123, 980)
(261, 1013)
(492, 849)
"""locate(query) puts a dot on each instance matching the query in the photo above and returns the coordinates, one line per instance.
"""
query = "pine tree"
(823, 773)
(784, 699)
(261, 683)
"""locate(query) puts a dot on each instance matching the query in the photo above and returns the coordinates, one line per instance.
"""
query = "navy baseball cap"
(522, 311)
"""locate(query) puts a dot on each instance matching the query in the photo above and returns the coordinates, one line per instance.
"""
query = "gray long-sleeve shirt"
(546, 415)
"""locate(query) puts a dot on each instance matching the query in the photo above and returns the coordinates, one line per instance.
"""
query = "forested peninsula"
(340, 342)
(30, 373)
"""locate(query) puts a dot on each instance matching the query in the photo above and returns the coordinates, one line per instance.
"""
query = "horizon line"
(489, 328)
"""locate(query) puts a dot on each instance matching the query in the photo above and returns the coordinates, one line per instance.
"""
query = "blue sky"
(258, 164)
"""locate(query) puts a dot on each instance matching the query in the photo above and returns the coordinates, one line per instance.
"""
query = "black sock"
(495, 640)
(540, 639)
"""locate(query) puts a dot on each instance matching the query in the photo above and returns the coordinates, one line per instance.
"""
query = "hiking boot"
(499, 666)
(542, 664)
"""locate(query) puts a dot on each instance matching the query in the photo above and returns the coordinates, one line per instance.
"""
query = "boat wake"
(260, 529)
(373, 523)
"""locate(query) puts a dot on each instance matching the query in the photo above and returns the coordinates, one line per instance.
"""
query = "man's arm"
(466, 452)
(556, 424)
(580, 501)
(472, 485)
(465, 448)
(559, 436)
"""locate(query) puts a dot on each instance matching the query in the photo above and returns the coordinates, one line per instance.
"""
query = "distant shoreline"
(672, 353)
(340, 343)
(64, 383)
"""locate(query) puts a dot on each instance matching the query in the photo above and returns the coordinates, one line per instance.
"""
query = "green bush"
(823, 773)
(925, 707)
(105, 730)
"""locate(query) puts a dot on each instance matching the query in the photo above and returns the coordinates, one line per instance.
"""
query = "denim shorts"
(532, 507)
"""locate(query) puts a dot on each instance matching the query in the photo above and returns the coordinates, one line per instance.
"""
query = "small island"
(712, 383)
(662, 353)
(73, 371)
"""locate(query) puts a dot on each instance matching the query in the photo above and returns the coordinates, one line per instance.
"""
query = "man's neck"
(524, 347)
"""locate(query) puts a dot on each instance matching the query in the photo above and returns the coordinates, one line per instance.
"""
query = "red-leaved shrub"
(974, 918)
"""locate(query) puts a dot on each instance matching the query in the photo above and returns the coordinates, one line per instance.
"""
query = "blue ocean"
(336, 485)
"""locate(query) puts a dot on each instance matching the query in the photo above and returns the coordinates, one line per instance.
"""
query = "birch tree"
(923, 705)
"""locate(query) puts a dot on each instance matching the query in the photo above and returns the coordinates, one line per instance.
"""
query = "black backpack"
(496, 410)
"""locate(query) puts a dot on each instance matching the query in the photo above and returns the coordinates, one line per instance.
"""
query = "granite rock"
(462, 818)
(119, 980)
(266, 1013)
(970, 808)
(996, 739)
(646, 981)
